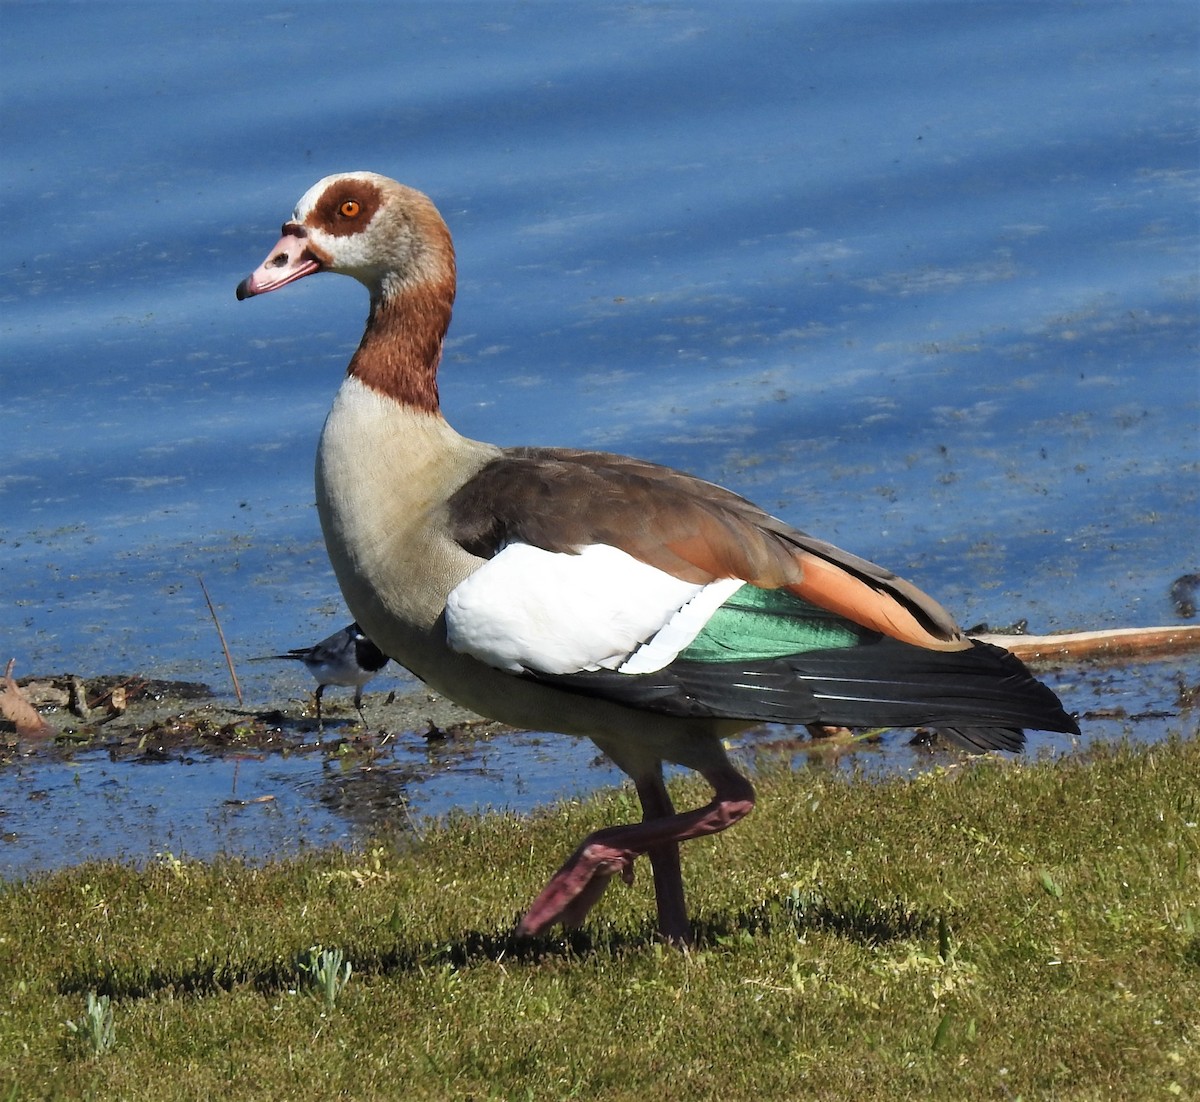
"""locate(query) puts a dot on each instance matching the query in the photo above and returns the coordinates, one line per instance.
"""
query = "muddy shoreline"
(133, 716)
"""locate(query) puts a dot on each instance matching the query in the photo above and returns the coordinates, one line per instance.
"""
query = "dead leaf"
(17, 710)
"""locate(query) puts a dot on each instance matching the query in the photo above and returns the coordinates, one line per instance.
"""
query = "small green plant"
(326, 972)
(94, 1030)
(1051, 886)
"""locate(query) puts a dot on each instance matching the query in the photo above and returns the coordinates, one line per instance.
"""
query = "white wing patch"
(529, 609)
(664, 646)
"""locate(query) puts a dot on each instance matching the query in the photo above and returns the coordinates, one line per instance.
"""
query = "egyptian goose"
(346, 657)
(595, 594)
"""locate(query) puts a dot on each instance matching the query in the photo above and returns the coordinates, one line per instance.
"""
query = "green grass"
(992, 931)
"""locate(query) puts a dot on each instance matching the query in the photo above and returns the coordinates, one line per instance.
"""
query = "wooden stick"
(221, 635)
(1107, 643)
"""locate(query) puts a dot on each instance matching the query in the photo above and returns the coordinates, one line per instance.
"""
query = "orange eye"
(350, 208)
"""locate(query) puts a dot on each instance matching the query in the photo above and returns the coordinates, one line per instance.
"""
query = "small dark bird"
(347, 657)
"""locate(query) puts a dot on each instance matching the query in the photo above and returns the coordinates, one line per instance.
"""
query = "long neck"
(402, 345)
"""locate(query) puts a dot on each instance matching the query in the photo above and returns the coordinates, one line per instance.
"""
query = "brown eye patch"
(346, 207)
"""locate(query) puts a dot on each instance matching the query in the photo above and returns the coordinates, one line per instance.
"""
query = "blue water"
(920, 277)
(57, 809)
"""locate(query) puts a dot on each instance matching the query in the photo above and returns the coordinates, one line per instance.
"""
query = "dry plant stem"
(221, 635)
(1111, 642)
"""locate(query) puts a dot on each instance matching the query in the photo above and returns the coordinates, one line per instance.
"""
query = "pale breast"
(383, 475)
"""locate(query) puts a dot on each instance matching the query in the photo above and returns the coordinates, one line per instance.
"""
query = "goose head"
(387, 236)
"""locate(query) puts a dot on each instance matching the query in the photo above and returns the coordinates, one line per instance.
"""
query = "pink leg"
(664, 862)
(577, 886)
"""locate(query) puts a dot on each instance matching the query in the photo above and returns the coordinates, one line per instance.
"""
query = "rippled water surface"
(920, 278)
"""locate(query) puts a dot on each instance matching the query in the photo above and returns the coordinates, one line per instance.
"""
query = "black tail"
(981, 697)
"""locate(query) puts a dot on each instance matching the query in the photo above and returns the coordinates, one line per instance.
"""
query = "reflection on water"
(58, 804)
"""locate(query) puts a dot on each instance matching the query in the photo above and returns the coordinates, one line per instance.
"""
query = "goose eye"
(349, 209)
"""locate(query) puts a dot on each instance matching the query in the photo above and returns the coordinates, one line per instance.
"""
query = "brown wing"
(563, 500)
